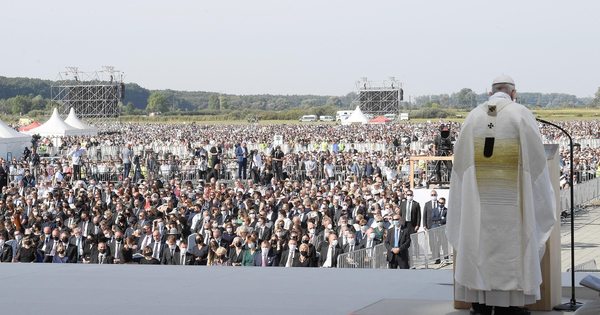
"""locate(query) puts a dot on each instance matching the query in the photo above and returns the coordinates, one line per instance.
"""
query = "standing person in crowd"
(76, 153)
(127, 157)
(411, 212)
(435, 216)
(257, 166)
(397, 244)
(277, 162)
(241, 153)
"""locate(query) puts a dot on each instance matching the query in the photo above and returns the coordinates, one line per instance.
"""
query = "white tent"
(55, 127)
(73, 121)
(12, 141)
(357, 117)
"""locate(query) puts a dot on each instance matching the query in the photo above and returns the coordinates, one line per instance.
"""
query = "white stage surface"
(135, 289)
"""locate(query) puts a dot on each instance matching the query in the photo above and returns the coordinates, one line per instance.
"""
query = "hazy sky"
(316, 47)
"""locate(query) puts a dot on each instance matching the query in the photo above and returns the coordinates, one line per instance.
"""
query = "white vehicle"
(342, 115)
(326, 118)
(308, 118)
(403, 116)
(390, 116)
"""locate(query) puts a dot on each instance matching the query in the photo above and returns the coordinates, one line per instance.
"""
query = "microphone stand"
(572, 305)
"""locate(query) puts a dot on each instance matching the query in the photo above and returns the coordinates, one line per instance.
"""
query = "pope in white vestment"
(501, 207)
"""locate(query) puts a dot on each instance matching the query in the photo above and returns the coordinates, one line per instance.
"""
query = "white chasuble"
(501, 206)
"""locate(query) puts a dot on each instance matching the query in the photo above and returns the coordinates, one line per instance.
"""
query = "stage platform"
(143, 289)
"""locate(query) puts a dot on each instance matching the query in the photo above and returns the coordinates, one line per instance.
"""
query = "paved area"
(587, 237)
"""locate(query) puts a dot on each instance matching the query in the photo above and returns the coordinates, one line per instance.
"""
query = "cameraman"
(443, 146)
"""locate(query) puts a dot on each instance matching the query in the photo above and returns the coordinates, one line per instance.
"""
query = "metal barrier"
(588, 266)
(366, 258)
(584, 192)
(428, 246)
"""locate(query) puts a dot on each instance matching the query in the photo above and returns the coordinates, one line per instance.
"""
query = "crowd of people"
(230, 196)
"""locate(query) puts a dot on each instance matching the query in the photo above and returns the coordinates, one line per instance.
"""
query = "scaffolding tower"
(93, 95)
(379, 98)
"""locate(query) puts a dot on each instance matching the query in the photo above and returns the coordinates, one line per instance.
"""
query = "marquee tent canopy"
(55, 127)
(73, 121)
(12, 141)
(357, 117)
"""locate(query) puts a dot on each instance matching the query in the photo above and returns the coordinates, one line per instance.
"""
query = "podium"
(551, 286)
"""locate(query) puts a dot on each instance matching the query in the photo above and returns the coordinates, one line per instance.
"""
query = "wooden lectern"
(551, 286)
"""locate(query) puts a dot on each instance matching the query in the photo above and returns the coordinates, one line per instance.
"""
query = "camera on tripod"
(444, 144)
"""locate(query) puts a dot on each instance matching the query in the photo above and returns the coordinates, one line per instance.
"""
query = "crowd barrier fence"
(365, 258)
(428, 246)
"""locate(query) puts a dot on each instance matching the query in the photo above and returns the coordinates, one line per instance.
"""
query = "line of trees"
(467, 98)
(24, 95)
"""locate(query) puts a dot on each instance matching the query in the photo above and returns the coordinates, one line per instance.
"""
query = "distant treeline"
(32, 96)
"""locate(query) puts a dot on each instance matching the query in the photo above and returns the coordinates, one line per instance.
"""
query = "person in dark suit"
(264, 233)
(288, 255)
(86, 226)
(157, 245)
(241, 154)
(170, 252)
(217, 236)
(413, 216)
(116, 247)
(49, 245)
(362, 231)
(330, 253)
(146, 238)
(397, 244)
(430, 207)
(184, 258)
(101, 255)
(70, 249)
(351, 244)
(78, 241)
(266, 257)
(436, 217)
(370, 240)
